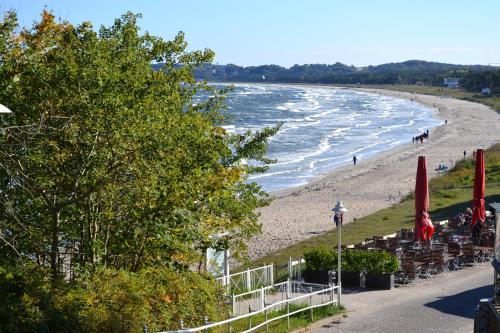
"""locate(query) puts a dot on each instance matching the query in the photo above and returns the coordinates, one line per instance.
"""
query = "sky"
(288, 32)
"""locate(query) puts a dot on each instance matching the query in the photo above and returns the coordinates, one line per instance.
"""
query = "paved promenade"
(444, 303)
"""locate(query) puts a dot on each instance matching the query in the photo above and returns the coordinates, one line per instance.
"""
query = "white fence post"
(290, 268)
(262, 298)
(272, 274)
(339, 287)
(249, 281)
(300, 269)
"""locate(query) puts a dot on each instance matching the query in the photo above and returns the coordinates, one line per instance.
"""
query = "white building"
(486, 91)
(452, 82)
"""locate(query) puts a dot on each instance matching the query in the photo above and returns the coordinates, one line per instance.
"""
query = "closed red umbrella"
(478, 211)
(423, 225)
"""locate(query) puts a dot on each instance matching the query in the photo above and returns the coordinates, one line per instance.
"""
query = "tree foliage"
(475, 81)
(108, 300)
(105, 162)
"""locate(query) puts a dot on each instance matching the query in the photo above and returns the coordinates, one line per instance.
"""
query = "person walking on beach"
(412, 139)
(354, 159)
(465, 153)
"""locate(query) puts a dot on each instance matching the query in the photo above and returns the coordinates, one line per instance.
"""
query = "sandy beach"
(302, 212)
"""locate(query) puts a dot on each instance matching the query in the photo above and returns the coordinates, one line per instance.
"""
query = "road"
(443, 303)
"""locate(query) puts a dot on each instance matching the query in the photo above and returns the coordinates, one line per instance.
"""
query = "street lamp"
(339, 211)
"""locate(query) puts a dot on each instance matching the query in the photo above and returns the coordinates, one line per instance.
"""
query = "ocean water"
(323, 127)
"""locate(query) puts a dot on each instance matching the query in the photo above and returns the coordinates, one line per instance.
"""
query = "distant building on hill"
(486, 91)
(452, 82)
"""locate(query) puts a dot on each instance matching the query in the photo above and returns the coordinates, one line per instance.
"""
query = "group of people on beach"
(421, 137)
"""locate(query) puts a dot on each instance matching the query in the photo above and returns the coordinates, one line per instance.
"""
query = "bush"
(381, 262)
(121, 301)
(320, 259)
(107, 301)
(354, 261)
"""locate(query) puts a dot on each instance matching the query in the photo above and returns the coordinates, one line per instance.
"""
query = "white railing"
(257, 299)
(295, 268)
(326, 295)
(251, 279)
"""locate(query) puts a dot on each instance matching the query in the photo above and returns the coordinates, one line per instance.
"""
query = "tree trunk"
(54, 248)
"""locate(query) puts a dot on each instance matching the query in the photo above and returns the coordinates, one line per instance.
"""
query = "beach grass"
(493, 101)
(450, 194)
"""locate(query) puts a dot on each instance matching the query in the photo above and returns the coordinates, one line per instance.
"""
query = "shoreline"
(379, 181)
(375, 156)
(371, 154)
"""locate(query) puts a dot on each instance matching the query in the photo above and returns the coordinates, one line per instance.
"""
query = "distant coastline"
(406, 72)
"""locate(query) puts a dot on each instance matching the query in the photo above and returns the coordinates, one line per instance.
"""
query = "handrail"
(287, 315)
(230, 320)
(312, 284)
(243, 272)
(259, 290)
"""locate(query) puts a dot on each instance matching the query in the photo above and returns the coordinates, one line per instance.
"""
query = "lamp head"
(339, 208)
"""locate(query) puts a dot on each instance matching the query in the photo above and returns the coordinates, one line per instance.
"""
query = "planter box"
(379, 281)
(319, 277)
(353, 279)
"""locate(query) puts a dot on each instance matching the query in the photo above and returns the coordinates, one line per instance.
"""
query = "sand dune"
(302, 212)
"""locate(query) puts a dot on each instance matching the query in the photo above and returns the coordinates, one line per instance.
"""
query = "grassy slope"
(449, 194)
(297, 321)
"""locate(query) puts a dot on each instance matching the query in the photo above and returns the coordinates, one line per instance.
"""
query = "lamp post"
(339, 211)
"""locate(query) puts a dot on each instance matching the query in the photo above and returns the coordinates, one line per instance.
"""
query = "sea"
(323, 127)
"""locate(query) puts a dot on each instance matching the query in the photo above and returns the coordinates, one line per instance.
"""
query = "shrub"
(107, 300)
(121, 301)
(354, 261)
(381, 262)
(320, 259)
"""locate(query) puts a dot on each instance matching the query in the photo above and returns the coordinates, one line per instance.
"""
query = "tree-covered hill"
(407, 72)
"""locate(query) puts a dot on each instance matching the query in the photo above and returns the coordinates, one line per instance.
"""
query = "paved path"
(444, 303)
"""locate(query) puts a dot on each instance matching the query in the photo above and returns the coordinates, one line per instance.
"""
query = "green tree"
(107, 162)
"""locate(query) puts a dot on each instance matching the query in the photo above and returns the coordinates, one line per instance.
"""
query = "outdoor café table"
(411, 269)
(484, 252)
(420, 268)
(461, 238)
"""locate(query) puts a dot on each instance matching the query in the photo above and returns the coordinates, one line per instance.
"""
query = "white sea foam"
(269, 174)
(363, 124)
(322, 127)
(229, 128)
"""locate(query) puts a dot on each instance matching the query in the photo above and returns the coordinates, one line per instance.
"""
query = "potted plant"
(380, 269)
(319, 264)
(353, 268)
